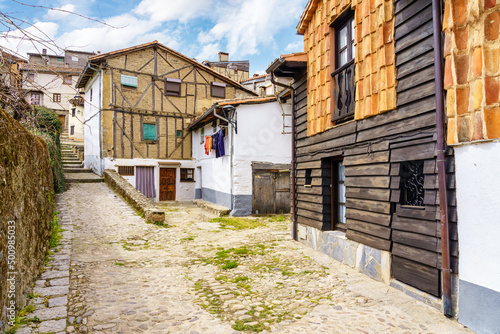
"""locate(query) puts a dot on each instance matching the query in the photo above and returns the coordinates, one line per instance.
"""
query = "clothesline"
(215, 142)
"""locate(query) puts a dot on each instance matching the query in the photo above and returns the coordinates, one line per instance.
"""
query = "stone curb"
(133, 196)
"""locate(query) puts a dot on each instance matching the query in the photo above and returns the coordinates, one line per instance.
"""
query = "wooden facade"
(373, 151)
(152, 84)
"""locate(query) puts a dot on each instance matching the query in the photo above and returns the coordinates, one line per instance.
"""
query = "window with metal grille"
(73, 112)
(128, 81)
(126, 170)
(187, 174)
(149, 131)
(412, 183)
(218, 89)
(72, 130)
(172, 87)
(56, 97)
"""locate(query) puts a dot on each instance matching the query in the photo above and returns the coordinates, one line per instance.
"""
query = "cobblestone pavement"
(197, 276)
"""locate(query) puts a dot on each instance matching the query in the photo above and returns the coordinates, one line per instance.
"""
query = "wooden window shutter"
(149, 131)
(172, 87)
(128, 80)
(218, 89)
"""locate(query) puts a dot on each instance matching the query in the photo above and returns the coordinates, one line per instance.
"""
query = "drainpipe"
(440, 123)
(294, 209)
(232, 152)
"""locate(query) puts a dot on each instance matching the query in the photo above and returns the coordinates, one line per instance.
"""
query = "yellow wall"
(375, 65)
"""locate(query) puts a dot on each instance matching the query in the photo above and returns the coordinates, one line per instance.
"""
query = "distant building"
(262, 85)
(9, 68)
(237, 70)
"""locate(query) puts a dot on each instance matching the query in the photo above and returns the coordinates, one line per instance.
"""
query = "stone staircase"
(73, 168)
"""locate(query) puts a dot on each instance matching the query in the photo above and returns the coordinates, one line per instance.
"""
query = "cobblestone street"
(197, 276)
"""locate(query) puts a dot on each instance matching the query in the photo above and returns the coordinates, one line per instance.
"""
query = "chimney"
(98, 52)
(223, 56)
(44, 52)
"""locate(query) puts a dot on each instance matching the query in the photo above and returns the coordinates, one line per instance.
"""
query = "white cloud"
(32, 39)
(295, 47)
(181, 10)
(246, 26)
(208, 52)
(61, 12)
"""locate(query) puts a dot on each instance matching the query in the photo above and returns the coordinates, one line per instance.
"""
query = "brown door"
(263, 193)
(62, 118)
(282, 188)
(167, 184)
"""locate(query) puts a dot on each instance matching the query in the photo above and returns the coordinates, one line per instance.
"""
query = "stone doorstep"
(218, 210)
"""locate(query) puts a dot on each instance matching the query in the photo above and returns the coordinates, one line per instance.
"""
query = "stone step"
(82, 178)
(69, 160)
(77, 170)
(75, 165)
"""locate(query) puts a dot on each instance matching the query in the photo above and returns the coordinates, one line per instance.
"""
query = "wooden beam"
(147, 63)
(143, 93)
(129, 139)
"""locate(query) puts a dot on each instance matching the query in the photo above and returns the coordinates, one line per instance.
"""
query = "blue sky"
(257, 30)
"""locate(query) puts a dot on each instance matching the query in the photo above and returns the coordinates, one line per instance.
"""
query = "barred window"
(126, 170)
(412, 183)
(187, 174)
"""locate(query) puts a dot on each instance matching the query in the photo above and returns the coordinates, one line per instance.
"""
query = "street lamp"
(229, 113)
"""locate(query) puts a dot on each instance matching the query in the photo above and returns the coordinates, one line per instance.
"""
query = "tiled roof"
(49, 69)
(255, 77)
(306, 16)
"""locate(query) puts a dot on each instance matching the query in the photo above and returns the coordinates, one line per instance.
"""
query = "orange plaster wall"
(472, 73)
(375, 65)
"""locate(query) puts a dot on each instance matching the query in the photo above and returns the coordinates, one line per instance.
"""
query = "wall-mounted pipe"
(294, 207)
(443, 198)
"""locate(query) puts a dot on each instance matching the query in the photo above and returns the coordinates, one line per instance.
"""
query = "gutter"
(294, 207)
(441, 146)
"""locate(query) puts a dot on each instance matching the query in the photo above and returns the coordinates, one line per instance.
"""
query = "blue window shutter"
(149, 131)
(128, 80)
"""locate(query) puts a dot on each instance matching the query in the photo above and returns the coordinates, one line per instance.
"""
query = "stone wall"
(472, 69)
(133, 196)
(26, 210)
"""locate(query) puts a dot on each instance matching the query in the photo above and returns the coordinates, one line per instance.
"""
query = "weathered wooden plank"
(368, 181)
(301, 127)
(416, 152)
(367, 149)
(375, 169)
(411, 18)
(300, 120)
(314, 207)
(416, 93)
(414, 37)
(371, 229)
(368, 205)
(453, 247)
(399, 5)
(395, 182)
(313, 198)
(337, 142)
(395, 195)
(371, 217)
(317, 224)
(430, 197)
(413, 123)
(430, 166)
(415, 254)
(414, 79)
(430, 181)
(414, 239)
(426, 227)
(395, 169)
(309, 164)
(314, 173)
(415, 274)
(413, 109)
(369, 240)
(335, 132)
(366, 193)
(327, 154)
(310, 214)
(415, 65)
(425, 213)
(452, 214)
(367, 158)
(312, 190)
(453, 230)
(414, 53)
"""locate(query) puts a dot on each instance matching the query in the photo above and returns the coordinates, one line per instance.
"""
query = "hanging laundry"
(215, 144)
(220, 144)
(208, 144)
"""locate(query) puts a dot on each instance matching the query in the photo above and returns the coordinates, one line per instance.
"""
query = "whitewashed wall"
(50, 83)
(91, 129)
(76, 121)
(184, 190)
(478, 205)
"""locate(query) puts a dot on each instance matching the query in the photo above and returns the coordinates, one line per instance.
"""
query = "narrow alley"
(196, 275)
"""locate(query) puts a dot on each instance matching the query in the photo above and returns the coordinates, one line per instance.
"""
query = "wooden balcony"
(344, 92)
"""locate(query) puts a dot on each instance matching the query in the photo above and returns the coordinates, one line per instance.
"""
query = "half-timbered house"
(374, 187)
(138, 104)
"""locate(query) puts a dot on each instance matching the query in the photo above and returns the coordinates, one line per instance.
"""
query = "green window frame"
(149, 131)
(128, 80)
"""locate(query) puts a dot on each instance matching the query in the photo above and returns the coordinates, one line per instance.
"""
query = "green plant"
(119, 264)
(278, 218)
(235, 223)
(56, 234)
(230, 265)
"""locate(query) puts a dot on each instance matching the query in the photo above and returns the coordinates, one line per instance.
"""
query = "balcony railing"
(344, 92)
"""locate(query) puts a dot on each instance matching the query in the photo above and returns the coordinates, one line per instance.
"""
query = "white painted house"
(253, 175)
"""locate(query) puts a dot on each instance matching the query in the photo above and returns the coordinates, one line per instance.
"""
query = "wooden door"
(62, 118)
(282, 192)
(167, 184)
(263, 193)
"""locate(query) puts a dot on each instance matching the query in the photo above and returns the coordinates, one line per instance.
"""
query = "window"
(56, 97)
(202, 135)
(412, 183)
(149, 131)
(179, 134)
(172, 87)
(308, 177)
(218, 89)
(73, 112)
(67, 80)
(126, 170)
(343, 76)
(338, 195)
(60, 58)
(187, 174)
(36, 99)
(30, 77)
(90, 94)
(72, 130)
(128, 81)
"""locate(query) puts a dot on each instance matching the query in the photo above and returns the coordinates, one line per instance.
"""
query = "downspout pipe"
(440, 125)
(294, 207)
